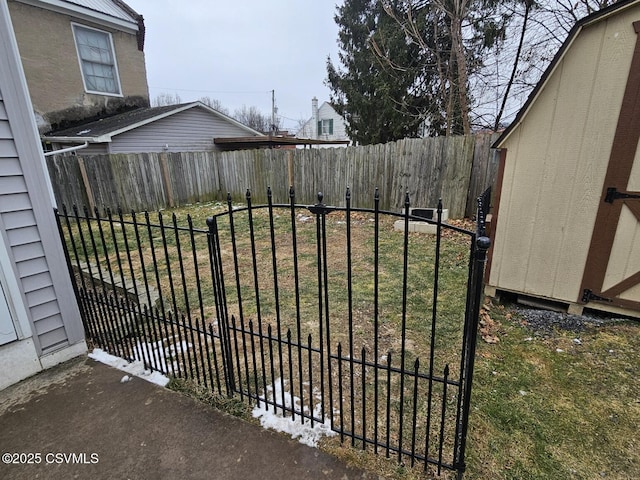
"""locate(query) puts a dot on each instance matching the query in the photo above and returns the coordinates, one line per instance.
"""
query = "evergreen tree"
(407, 64)
(376, 97)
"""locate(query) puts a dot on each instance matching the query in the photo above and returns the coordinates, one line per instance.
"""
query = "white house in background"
(40, 324)
(324, 124)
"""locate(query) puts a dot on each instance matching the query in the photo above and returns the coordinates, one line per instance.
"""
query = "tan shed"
(566, 219)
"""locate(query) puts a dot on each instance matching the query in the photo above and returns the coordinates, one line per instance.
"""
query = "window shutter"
(319, 128)
(331, 126)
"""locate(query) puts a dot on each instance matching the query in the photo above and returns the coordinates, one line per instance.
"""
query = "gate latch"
(614, 194)
(588, 296)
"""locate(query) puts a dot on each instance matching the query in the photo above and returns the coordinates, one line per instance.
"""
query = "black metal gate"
(360, 320)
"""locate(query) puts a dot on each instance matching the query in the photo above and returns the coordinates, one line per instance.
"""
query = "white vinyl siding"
(329, 126)
(96, 55)
(333, 127)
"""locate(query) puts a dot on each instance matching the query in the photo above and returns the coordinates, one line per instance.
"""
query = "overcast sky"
(239, 51)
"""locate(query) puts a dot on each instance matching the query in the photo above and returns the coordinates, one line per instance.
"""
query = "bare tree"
(453, 36)
(164, 99)
(486, 83)
(300, 127)
(215, 104)
(541, 27)
(252, 117)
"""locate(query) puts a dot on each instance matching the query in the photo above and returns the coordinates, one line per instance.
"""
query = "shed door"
(612, 271)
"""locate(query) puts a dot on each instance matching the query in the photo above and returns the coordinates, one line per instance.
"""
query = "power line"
(261, 92)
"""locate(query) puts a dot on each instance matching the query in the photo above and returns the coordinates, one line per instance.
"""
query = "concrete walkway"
(138, 430)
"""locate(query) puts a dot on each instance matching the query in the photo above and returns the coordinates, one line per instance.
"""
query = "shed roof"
(575, 31)
(102, 130)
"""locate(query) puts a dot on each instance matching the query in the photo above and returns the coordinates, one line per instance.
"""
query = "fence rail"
(454, 169)
(327, 315)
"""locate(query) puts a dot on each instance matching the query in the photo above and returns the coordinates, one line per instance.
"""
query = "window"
(325, 127)
(97, 60)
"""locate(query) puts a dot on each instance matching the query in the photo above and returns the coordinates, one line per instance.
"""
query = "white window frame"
(75, 26)
(324, 127)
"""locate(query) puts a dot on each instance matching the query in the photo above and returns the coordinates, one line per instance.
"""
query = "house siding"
(49, 58)
(325, 112)
(28, 229)
(92, 149)
(191, 130)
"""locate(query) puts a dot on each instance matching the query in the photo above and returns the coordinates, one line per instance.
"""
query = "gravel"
(544, 322)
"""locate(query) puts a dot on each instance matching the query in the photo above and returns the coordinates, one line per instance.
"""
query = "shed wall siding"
(192, 130)
(556, 162)
(625, 253)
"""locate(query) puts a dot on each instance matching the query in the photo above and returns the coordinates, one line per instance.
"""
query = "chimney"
(315, 117)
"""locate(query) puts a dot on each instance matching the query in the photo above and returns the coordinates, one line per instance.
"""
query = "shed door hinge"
(614, 194)
(588, 296)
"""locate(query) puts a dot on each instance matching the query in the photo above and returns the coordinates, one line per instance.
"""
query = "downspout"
(67, 150)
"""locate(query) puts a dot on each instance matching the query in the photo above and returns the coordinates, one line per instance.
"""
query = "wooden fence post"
(166, 179)
(86, 184)
(290, 167)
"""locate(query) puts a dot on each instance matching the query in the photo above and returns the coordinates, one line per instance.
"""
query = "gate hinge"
(614, 194)
(588, 296)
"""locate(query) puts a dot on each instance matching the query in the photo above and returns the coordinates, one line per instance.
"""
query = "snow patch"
(134, 368)
(273, 417)
(156, 354)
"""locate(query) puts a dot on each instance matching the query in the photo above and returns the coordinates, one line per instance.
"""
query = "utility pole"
(273, 112)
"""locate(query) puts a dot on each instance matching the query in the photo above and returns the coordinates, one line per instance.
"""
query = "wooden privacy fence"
(456, 169)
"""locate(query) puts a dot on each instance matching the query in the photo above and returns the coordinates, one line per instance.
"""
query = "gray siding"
(19, 226)
(91, 149)
(192, 130)
(94, 149)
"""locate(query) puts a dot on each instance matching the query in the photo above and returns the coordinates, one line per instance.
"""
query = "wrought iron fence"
(337, 316)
